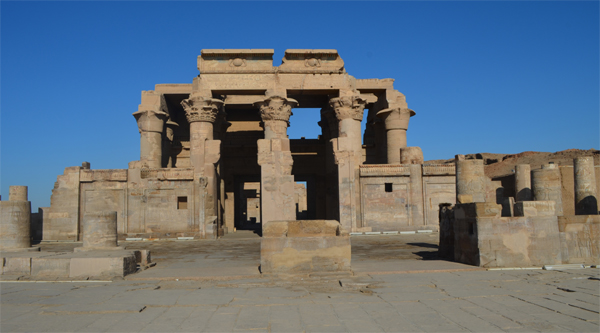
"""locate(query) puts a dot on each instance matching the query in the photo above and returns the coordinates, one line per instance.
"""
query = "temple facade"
(215, 155)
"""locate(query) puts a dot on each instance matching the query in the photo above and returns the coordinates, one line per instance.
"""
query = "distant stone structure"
(215, 155)
(540, 228)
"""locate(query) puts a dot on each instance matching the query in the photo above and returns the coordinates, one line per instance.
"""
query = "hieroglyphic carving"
(438, 170)
(103, 175)
(384, 170)
(198, 108)
(348, 107)
(168, 174)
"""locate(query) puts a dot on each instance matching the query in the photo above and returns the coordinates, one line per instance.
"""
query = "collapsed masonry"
(215, 155)
(553, 221)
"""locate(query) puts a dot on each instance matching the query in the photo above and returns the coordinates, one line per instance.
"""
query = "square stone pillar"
(277, 182)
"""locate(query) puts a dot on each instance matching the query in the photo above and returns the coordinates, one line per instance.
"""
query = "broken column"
(151, 125)
(546, 186)
(100, 230)
(586, 198)
(349, 108)
(523, 182)
(275, 160)
(15, 218)
(470, 180)
(396, 124)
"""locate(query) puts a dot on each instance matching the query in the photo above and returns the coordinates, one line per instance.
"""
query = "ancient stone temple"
(215, 155)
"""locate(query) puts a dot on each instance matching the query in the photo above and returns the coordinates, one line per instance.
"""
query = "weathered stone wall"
(405, 197)
(580, 239)
(484, 238)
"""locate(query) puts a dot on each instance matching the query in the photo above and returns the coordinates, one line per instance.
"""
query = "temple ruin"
(215, 155)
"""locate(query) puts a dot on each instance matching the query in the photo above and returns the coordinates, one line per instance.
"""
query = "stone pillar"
(275, 112)
(275, 160)
(411, 155)
(546, 186)
(396, 124)
(523, 182)
(168, 158)
(470, 180)
(100, 230)
(17, 193)
(329, 126)
(348, 156)
(151, 124)
(586, 197)
(15, 220)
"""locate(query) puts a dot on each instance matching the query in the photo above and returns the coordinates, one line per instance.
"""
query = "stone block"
(143, 257)
(478, 209)
(313, 228)
(16, 266)
(56, 267)
(535, 208)
(304, 247)
(102, 266)
(580, 238)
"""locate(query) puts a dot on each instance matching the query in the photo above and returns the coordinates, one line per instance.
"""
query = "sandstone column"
(546, 186)
(523, 182)
(100, 230)
(329, 126)
(470, 180)
(275, 160)
(151, 124)
(201, 112)
(349, 110)
(168, 144)
(396, 124)
(15, 220)
(586, 197)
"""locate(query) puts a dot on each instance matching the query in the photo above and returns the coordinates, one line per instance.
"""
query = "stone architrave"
(275, 112)
(396, 125)
(523, 182)
(15, 220)
(151, 125)
(546, 186)
(349, 111)
(470, 180)
(586, 197)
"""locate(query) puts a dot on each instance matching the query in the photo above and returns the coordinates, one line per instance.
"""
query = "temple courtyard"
(397, 284)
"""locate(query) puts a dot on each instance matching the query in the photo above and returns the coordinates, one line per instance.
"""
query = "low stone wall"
(580, 239)
(304, 247)
(484, 238)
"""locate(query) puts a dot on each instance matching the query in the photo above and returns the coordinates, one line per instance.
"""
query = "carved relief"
(198, 108)
(384, 170)
(348, 107)
(276, 108)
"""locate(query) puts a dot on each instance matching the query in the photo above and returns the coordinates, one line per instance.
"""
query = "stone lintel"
(367, 84)
(236, 61)
(311, 61)
(173, 88)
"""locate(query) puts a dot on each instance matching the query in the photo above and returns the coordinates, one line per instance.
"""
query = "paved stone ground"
(398, 285)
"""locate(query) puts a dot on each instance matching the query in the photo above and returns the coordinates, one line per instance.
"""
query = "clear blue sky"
(501, 77)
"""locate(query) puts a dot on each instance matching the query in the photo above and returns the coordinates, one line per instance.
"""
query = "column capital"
(396, 118)
(276, 108)
(348, 107)
(198, 108)
(150, 120)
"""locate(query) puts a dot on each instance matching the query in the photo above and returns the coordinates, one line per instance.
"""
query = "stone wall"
(404, 197)
(580, 239)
